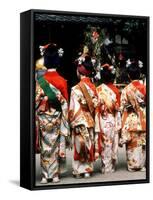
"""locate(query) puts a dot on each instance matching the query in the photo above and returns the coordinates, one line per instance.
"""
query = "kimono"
(82, 123)
(108, 126)
(133, 106)
(37, 129)
(53, 124)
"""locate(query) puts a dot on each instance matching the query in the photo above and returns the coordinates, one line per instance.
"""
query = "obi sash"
(88, 98)
(50, 93)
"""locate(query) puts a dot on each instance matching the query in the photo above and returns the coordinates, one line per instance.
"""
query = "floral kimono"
(133, 106)
(53, 125)
(81, 115)
(108, 126)
(37, 129)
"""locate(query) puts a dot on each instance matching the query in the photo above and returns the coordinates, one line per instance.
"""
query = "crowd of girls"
(95, 120)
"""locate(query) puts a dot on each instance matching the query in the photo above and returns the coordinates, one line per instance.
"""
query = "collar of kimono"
(50, 74)
(90, 84)
(51, 70)
(139, 86)
(115, 90)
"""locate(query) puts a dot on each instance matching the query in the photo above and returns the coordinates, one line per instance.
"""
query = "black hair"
(88, 65)
(51, 57)
(107, 76)
(134, 71)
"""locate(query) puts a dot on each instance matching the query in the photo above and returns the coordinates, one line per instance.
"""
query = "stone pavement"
(121, 172)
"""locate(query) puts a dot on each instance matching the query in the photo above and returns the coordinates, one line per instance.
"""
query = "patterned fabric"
(37, 129)
(83, 141)
(134, 123)
(54, 129)
(82, 123)
(108, 126)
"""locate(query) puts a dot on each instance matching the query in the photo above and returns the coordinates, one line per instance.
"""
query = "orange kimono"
(133, 106)
(82, 124)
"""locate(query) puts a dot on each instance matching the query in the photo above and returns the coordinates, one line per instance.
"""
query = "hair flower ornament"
(140, 63)
(93, 60)
(81, 59)
(111, 68)
(129, 62)
(43, 48)
(60, 52)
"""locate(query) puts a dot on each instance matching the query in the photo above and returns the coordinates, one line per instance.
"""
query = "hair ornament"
(129, 62)
(81, 59)
(43, 48)
(60, 52)
(111, 68)
(140, 64)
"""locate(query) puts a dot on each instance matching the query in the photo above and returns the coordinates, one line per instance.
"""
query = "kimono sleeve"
(38, 95)
(72, 106)
(74, 109)
(97, 116)
(124, 103)
(64, 127)
(124, 100)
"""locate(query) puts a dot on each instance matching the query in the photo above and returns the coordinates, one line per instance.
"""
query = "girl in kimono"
(40, 70)
(83, 102)
(52, 111)
(133, 107)
(109, 120)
